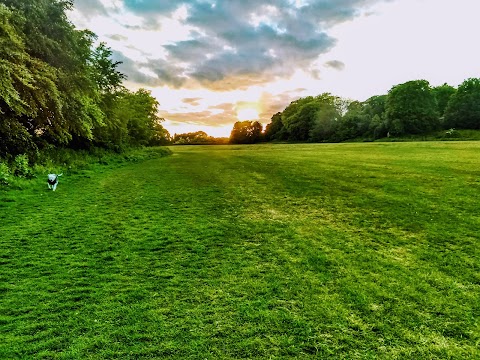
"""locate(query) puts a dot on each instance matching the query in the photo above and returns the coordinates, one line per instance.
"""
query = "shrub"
(4, 174)
(21, 167)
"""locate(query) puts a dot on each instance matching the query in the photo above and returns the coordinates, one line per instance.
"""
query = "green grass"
(326, 251)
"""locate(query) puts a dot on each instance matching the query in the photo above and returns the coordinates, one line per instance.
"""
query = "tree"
(275, 129)
(104, 71)
(301, 123)
(29, 98)
(138, 112)
(107, 82)
(246, 132)
(161, 136)
(443, 93)
(326, 120)
(374, 113)
(411, 108)
(56, 89)
(311, 118)
(296, 129)
(374, 105)
(192, 138)
(353, 124)
(463, 109)
(60, 97)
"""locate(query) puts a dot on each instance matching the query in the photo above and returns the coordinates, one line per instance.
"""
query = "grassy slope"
(352, 251)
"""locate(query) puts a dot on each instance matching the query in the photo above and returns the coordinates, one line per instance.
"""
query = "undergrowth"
(17, 172)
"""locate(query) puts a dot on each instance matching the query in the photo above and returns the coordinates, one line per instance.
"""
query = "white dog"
(53, 181)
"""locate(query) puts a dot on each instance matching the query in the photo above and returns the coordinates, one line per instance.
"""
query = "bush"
(4, 174)
(21, 167)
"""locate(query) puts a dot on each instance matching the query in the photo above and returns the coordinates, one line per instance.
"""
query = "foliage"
(57, 89)
(374, 113)
(443, 94)
(4, 173)
(353, 124)
(275, 129)
(463, 109)
(312, 118)
(104, 71)
(21, 168)
(246, 132)
(327, 117)
(138, 111)
(411, 108)
(299, 117)
(196, 138)
(299, 124)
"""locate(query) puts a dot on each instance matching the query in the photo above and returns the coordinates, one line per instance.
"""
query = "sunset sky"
(213, 62)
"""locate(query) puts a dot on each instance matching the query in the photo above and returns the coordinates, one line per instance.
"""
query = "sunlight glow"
(182, 128)
(247, 114)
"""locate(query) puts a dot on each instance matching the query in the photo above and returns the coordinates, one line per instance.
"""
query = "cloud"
(219, 115)
(192, 101)
(230, 44)
(225, 114)
(118, 37)
(151, 6)
(335, 64)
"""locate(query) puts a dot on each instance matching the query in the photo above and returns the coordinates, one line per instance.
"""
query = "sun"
(247, 114)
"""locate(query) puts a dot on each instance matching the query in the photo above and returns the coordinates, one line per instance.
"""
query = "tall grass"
(69, 161)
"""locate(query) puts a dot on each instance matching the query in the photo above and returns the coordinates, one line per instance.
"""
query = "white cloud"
(272, 54)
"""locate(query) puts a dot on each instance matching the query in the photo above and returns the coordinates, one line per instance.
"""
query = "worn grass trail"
(355, 251)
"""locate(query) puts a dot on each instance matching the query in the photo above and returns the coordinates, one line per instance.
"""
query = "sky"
(210, 63)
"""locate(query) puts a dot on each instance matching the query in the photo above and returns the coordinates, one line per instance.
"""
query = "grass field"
(342, 251)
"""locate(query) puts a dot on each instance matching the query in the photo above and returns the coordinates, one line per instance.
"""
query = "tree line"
(197, 138)
(411, 108)
(58, 88)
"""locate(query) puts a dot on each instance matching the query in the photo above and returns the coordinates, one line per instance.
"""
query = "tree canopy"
(57, 88)
(413, 107)
(246, 132)
(463, 109)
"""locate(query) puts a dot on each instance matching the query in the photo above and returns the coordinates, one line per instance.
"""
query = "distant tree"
(377, 127)
(312, 118)
(327, 117)
(353, 124)
(296, 128)
(411, 108)
(192, 138)
(161, 136)
(374, 105)
(301, 123)
(463, 109)
(138, 112)
(275, 129)
(443, 93)
(374, 112)
(246, 132)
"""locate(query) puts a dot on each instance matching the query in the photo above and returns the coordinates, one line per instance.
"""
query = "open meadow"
(322, 251)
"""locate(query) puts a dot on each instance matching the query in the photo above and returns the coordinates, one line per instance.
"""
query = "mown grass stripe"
(351, 251)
